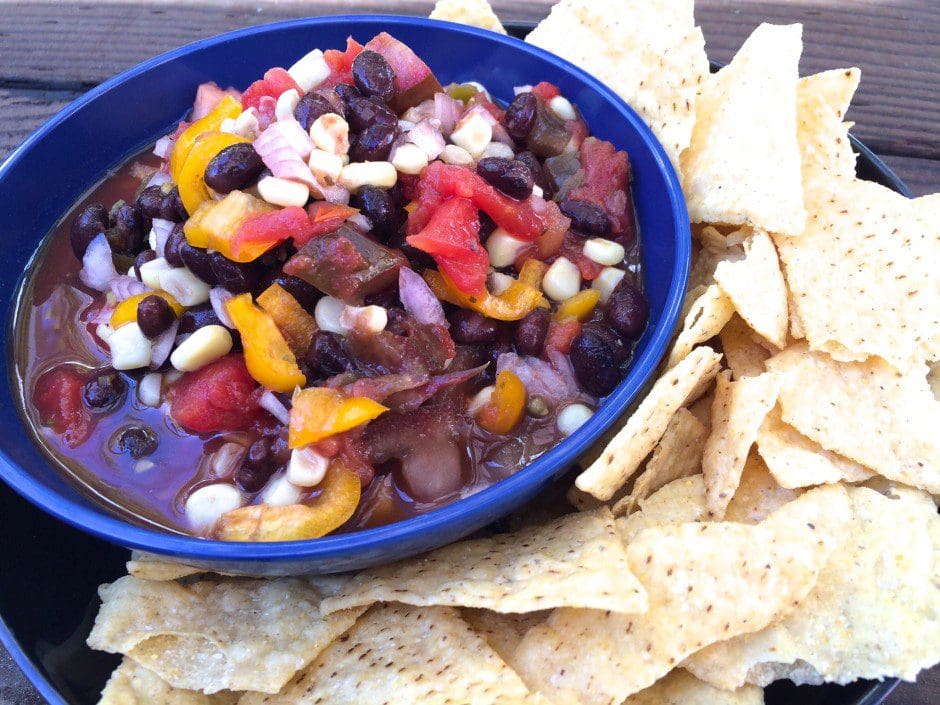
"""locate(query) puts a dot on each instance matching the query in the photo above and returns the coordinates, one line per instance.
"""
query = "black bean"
(346, 92)
(198, 262)
(315, 104)
(586, 217)
(500, 347)
(154, 315)
(596, 361)
(327, 355)
(91, 220)
(373, 144)
(508, 175)
(363, 112)
(197, 317)
(472, 328)
(538, 172)
(628, 311)
(306, 294)
(520, 116)
(234, 167)
(104, 392)
(136, 441)
(532, 330)
(237, 277)
(143, 258)
(129, 228)
(374, 77)
(173, 208)
(487, 226)
(378, 206)
(150, 202)
(171, 250)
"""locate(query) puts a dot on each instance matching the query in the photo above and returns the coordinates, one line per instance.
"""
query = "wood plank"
(22, 111)
(922, 176)
(73, 44)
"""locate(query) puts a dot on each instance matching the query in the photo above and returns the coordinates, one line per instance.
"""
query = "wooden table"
(50, 52)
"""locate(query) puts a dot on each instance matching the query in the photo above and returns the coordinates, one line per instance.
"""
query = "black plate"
(51, 572)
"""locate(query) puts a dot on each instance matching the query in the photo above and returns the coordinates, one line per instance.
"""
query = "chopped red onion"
(123, 287)
(447, 110)
(539, 377)
(417, 113)
(418, 299)
(360, 222)
(161, 230)
(217, 297)
(413, 398)
(98, 264)
(162, 149)
(287, 133)
(227, 459)
(563, 367)
(208, 96)
(163, 346)
(283, 147)
(267, 107)
(427, 136)
(270, 403)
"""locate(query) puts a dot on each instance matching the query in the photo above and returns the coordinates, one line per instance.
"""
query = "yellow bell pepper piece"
(532, 273)
(514, 303)
(297, 326)
(504, 409)
(228, 107)
(215, 222)
(191, 180)
(126, 311)
(321, 412)
(578, 306)
(336, 503)
(267, 355)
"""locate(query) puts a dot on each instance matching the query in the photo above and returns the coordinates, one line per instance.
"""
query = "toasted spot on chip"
(866, 411)
(401, 655)
(576, 561)
(678, 454)
(682, 688)
(745, 355)
(737, 412)
(502, 632)
(822, 101)
(477, 13)
(875, 611)
(707, 315)
(706, 582)
(863, 273)
(215, 635)
(132, 684)
(756, 289)
(933, 379)
(623, 455)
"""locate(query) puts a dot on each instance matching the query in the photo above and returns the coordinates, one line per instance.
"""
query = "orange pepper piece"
(578, 306)
(215, 222)
(532, 273)
(321, 412)
(126, 311)
(228, 107)
(504, 409)
(292, 320)
(191, 180)
(338, 499)
(267, 355)
(511, 305)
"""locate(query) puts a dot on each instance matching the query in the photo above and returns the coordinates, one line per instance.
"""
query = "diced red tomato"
(548, 243)
(579, 132)
(573, 249)
(561, 334)
(208, 96)
(219, 397)
(58, 399)
(259, 233)
(415, 80)
(546, 91)
(353, 455)
(340, 63)
(324, 217)
(267, 108)
(452, 238)
(607, 184)
(275, 82)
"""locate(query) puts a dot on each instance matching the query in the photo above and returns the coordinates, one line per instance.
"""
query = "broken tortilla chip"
(742, 166)
(150, 566)
(215, 635)
(745, 356)
(758, 495)
(679, 502)
(576, 561)
(706, 317)
(503, 632)
(706, 582)
(623, 455)
(874, 613)
(822, 100)
(132, 684)
(682, 688)
(866, 411)
(476, 13)
(737, 413)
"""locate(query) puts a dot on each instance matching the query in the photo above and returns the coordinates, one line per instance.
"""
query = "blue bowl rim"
(101, 523)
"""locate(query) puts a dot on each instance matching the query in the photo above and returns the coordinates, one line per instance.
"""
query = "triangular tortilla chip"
(132, 684)
(758, 495)
(745, 356)
(679, 502)
(707, 315)
(502, 632)
(822, 100)
(682, 688)
(477, 13)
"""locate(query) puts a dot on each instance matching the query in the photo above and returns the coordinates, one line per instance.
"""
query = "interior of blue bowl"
(72, 152)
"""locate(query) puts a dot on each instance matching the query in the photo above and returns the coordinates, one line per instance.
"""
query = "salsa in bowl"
(364, 292)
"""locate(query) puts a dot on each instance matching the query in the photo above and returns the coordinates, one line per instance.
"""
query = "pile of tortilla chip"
(765, 513)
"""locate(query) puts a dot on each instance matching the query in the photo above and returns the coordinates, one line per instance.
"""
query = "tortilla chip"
(705, 318)
(745, 356)
(712, 248)
(682, 688)
(822, 100)
(679, 502)
(867, 411)
(150, 566)
(796, 461)
(758, 494)
(503, 632)
(401, 655)
(678, 454)
(217, 635)
(650, 54)
(702, 409)
(863, 273)
(933, 379)
(756, 289)
(874, 613)
(706, 582)
(646, 425)
(132, 684)
(737, 413)
(476, 13)
(743, 164)
(576, 561)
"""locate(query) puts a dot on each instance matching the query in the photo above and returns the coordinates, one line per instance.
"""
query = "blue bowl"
(69, 154)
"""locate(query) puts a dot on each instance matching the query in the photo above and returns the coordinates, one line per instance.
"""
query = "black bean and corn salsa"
(340, 298)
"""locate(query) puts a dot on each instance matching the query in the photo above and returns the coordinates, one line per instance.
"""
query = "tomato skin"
(452, 238)
(573, 248)
(259, 233)
(340, 63)
(561, 334)
(323, 217)
(546, 91)
(57, 397)
(607, 184)
(275, 82)
(219, 397)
